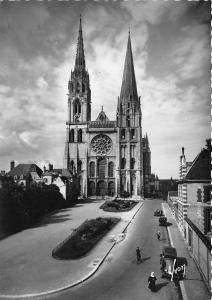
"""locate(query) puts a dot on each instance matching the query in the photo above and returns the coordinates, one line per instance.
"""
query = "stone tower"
(129, 146)
(79, 114)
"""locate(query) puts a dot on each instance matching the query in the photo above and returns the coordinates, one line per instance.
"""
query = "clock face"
(101, 144)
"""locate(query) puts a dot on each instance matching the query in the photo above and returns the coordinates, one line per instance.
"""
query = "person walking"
(138, 254)
(158, 235)
(151, 280)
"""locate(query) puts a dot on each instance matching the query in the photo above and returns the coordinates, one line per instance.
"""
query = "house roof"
(25, 169)
(67, 173)
(201, 167)
(35, 175)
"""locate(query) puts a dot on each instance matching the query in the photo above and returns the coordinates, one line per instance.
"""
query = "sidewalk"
(27, 267)
(193, 287)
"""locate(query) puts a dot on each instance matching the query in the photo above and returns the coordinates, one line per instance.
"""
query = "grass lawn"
(84, 238)
(118, 205)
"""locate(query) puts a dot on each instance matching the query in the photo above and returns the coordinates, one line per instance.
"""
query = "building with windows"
(25, 174)
(192, 207)
(106, 155)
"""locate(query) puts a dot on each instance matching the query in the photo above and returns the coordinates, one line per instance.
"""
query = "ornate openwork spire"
(129, 88)
(80, 56)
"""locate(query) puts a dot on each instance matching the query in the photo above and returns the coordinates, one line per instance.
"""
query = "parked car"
(162, 221)
(158, 213)
(169, 255)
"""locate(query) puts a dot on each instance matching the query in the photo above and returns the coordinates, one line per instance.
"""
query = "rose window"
(101, 144)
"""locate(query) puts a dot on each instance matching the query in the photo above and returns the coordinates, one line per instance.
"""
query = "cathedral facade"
(107, 156)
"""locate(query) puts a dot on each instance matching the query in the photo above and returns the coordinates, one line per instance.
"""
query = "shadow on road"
(160, 285)
(168, 224)
(53, 219)
(146, 258)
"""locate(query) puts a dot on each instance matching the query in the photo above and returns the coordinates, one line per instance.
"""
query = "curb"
(182, 285)
(75, 283)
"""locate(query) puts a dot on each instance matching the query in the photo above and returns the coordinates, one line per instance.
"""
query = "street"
(120, 277)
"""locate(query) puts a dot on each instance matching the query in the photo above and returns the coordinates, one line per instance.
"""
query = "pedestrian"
(158, 235)
(138, 254)
(151, 280)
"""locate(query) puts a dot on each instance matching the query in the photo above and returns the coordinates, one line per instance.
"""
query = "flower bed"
(118, 205)
(84, 238)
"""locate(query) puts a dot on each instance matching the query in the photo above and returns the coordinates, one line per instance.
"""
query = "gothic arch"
(110, 169)
(77, 107)
(101, 188)
(92, 169)
(123, 163)
(71, 137)
(91, 188)
(80, 136)
(123, 134)
(72, 165)
(111, 188)
(101, 167)
(79, 165)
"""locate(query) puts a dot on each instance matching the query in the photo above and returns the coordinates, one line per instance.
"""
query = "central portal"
(101, 188)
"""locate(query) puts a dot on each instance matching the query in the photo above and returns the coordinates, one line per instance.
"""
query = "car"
(162, 221)
(158, 213)
(169, 252)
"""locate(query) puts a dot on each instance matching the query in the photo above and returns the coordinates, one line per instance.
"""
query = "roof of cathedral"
(129, 87)
(80, 56)
(102, 117)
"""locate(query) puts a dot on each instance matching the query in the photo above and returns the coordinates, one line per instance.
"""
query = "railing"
(107, 124)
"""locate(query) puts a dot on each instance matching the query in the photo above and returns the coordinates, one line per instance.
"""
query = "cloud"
(190, 56)
(155, 12)
(170, 45)
(41, 83)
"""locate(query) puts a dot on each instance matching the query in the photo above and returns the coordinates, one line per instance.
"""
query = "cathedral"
(107, 156)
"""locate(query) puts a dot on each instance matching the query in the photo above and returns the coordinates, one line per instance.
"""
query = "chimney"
(12, 165)
(182, 150)
(50, 167)
(44, 168)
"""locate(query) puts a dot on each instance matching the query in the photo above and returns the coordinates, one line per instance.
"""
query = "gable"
(201, 167)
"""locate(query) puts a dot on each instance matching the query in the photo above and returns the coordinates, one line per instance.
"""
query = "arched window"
(132, 134)
(132, 163)
(92, 169)
(92, 188)
(70, 86)
(77, 107)
(71, 137)
(80, 136)
(79, 166)
(123, 134)
(101, 167)
(132, 152)
(83, 88)
(111, 189)
(78, 87)
(72, 166)
(128, 121)
(110, 169)
(123, 163)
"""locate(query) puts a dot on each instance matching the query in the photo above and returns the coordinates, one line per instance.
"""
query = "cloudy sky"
(171, 48)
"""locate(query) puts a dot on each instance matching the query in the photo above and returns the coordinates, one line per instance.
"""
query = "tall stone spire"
(129, 87)
(80, 56)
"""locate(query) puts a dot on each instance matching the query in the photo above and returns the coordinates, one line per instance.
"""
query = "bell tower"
(129, 151)
(79, 115)
(79, 96)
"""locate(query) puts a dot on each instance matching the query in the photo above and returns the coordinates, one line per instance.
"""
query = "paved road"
(26, 263)
(120, 277)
